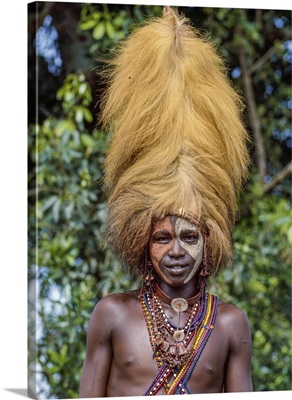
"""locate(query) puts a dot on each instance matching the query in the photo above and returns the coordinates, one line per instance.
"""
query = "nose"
(176, 250)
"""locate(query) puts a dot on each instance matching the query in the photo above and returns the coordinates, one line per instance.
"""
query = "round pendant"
(178, 336)
(179, 304)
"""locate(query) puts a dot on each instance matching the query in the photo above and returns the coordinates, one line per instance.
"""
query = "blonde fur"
(177, 137)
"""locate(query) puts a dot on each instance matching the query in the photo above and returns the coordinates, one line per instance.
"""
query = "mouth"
(176, 269)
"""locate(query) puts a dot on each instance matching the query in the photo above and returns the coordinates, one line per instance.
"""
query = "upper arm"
(238, 368)
(96, 368)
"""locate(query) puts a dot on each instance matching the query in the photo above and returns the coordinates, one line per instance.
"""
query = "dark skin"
(119, 358)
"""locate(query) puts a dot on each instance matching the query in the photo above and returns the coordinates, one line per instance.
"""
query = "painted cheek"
(157, 252)
(194, 251)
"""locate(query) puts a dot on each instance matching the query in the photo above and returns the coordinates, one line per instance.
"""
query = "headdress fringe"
(178, 140)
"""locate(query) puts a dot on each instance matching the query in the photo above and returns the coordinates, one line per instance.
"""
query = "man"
(175, 165)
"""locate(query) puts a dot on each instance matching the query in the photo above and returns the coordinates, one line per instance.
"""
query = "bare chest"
(133, 359)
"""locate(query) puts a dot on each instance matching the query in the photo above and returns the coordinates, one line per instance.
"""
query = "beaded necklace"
(176, 358)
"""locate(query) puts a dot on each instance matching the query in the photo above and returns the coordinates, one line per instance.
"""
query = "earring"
(207, 262)
(147, 275)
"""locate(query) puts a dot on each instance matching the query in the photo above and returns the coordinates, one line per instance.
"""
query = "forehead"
(173, 223)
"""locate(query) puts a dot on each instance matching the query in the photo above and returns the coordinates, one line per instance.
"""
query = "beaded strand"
(201, 330)
(199, 344)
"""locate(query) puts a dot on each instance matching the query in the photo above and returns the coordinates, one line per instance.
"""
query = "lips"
(176, 269)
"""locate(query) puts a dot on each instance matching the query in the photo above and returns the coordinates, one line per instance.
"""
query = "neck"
(190, 292)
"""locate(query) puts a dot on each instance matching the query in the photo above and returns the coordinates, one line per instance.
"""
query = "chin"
(176, 281)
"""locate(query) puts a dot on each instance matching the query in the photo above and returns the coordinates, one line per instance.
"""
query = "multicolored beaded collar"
(177, 349)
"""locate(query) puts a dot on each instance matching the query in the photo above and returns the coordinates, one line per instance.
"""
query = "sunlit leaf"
(99, 31)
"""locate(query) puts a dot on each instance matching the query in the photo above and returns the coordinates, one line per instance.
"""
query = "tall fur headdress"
(178, 141)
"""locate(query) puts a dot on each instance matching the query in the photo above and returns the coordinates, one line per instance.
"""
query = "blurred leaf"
(99, 31)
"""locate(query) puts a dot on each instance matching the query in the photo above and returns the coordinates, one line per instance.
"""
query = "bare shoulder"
(117, 300)
(231, 314)
(233, 322)
(114, 306)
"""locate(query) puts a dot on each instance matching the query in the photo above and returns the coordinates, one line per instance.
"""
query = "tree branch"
(254, 118)
(262, 60)
(286, 171)
(258, 64)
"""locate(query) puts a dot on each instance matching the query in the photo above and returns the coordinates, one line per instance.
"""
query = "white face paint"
(176, 239)
(182, 228)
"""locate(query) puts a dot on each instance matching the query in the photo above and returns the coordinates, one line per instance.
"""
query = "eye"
(191, 238)
(161, 238)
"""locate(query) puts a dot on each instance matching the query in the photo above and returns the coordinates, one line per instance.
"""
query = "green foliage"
(67, 209)
(67, 205)
(62, 347)
(68, 216)
(76, 97)
(268, 59)
(109, 26)
(260, 282)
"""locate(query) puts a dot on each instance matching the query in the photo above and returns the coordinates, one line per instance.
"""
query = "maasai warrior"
(175, 165)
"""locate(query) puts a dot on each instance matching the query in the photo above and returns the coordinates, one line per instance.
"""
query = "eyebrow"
(190, 230)
(161, 232)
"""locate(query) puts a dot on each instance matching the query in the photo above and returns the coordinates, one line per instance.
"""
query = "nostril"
(176, 250)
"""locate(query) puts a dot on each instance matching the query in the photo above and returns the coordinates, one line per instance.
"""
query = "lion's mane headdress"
(178, 141)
